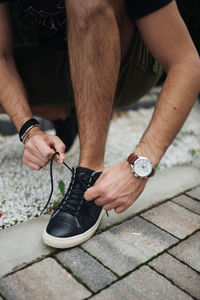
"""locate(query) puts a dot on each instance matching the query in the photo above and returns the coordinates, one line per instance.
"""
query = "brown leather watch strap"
(152, 173)
(132, 157)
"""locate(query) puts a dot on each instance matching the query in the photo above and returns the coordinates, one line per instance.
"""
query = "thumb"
(59, 147)
(62, 156)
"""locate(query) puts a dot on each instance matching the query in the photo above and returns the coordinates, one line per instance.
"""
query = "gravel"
(24, 192)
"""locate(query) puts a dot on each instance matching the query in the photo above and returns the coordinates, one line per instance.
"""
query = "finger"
(120, 209)
(59, 147)
(101, 201)
(44, 150)
(57, 158)
(112, 205)
(91, 194)
(38, 146)
(34, 159)
(124, 205)
(32, 153)
(31, 149)
(32, 165)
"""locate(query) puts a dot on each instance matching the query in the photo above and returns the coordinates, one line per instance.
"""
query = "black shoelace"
(74, 198)
(51, 178)
(71, 205)
(77, 193)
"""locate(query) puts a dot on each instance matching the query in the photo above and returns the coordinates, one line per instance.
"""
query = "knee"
(85, 12)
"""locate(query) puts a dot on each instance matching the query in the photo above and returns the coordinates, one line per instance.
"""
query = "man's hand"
(39, 148)
(117, 188)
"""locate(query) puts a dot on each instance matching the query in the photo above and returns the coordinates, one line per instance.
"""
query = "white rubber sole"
(63, 243)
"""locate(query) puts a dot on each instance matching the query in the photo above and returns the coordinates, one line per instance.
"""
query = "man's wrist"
(19, 121)
(26, 127)
(33, 131)
(154, 155)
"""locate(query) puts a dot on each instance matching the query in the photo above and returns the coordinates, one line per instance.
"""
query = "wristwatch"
(141, 166)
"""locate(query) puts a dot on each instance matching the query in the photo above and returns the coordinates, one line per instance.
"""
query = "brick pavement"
(152, 255)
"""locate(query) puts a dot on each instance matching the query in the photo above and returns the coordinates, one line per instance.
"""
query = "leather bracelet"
(28, 125)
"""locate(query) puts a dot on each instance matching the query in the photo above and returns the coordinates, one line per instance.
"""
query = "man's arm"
(13, 99)
(167, 37)
(12, 93)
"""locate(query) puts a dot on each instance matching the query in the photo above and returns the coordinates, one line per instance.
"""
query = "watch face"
(142, 167)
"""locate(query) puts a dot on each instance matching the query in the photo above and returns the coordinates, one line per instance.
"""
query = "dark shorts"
(46, 74)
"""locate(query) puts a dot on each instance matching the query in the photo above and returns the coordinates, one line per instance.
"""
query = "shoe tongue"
(84, 170)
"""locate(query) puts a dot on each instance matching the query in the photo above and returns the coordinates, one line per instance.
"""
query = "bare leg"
(95, 51)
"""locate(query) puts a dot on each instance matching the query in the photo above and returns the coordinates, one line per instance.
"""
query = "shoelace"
(52, 184)
(51, 178)
(74, 199)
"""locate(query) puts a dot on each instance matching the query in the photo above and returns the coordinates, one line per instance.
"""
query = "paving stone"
(178, 273)
(189, 251)
(45, 280)
(195, 193)
(173, 218)
(179, 179)
(22, 244)
(129, 244)
(143, 284)
(88, 269)
(189, 203)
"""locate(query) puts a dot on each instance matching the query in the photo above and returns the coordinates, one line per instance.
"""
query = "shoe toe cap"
(62, 227)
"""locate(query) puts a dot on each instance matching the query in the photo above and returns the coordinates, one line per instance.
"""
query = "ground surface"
(152, 254)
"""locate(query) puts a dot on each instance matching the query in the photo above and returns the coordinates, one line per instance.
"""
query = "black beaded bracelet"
(26, 127)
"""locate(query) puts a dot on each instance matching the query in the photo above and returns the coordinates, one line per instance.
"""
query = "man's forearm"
(12, 93)
(174, 104)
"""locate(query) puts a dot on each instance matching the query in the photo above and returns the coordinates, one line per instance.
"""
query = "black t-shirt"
(50, 17)
(140, 8)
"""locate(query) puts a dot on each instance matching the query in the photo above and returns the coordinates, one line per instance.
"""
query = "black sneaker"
(67, 129)
(74, 220)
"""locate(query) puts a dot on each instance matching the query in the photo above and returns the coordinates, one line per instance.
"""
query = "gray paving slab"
(86, 268)
(173, 218)
(195, 193)
(189, 251)
(22, 244)
(189, 203)
(45, 280)
(179, 179)
(180, 274)
(144, 284)
(124, 247)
